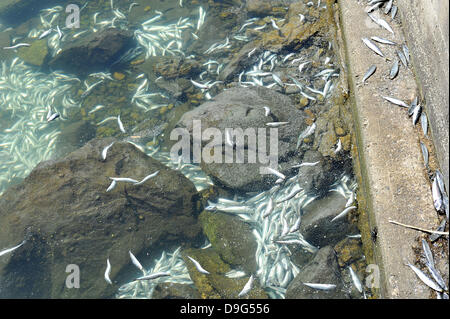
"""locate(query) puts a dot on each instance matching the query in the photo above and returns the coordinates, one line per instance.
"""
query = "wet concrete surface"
(390, 155)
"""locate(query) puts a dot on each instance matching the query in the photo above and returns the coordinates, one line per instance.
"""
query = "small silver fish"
(382, 40)
(108, 272)
(266, 110)
(372, 46)
(8, 250)
(395, 101)
(394, 12)
(427, 281)
(275, 172)
(45, 33)
(428, 253)
(402, 58)
(52, 117)
(416, 114)
(269, 208)
(412, 106)
(394, 70)
(105, 150)
(124, 179)
(146, 178)
(247, 287)
(136, 262)
(198, 266)
(320, 286)
(154, 275)
(122, 129)
(343, 213)
(18, 45)
(369, 72)
(424, 153)
(424, 123)
(435, 236)
(388, 6)
(235, 274)
(437, 196)
(355, 280)
(406, 52)
(111, 186)
(276, 124)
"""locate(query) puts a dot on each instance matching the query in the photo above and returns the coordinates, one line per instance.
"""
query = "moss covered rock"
(34, 54)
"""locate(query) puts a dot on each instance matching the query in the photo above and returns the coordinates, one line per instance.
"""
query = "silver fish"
(146, 178)
(428, 253)
(136, 262)
(122, 129)
(275, 172)
(294, 192)
(247, 287)
(235, 274)
(372, 46)
(18, 45)
(198, 266)
(369, 72)
(45, 33)
(395, 101)
(406, 52)
(355, 280)
(306, 164)
(154, 275)
(320, 286)
(381, 23)
(412, 106)
(388, 6)
(424, 123)
(269, 208)
(276, 124)
(382, 40)
(111, 186)
(416, 114)
(394, 12)
(437, 196)
(427, 281)
(424, 153)
(8, 250)
(343, 213)
(436, 276)
(440, 181)
(266, 110)
(402, 58)
(124, 179)
(108, 272)
(105, 150)
(53, 117)
(441, 227)
(394, 70)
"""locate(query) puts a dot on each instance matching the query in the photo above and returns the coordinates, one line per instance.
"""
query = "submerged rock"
(231, 237)
(242, 108)
(216, 285)
(323, 269)
(170, 290)
(317, 227)
(66, 216)
(93, 53)
(35, 54)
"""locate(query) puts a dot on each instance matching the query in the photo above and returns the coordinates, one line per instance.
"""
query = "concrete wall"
(426, 27)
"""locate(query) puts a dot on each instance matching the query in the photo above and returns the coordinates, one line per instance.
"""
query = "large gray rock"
(66, 216)
(243, 108)
(93, 53)
(317, 227)
(318, 178)
(323, 269)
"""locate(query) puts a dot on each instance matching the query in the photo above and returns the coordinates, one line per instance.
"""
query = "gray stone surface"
(428, 40)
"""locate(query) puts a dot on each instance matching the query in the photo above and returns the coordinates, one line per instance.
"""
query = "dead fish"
(338, 147)
(427, 281)
(424, 153)
(395, 101)
(8, 250)
(435, 236)
(18, 45)
(428, 253)
(124, 179)
(381, 23)
(294, 192)
(406, 52)
(306, 164)
(355, 280)
(402, 58)
(436, 276)
(105, 150)
(388, 6)
(111, 186)
(247, 287)
(424, 123)
(320, 286)
(269, 208)
(108, 272)
(266, 110)
(369, 72)
(440, 181)
(437, 196)
(136, 262)
(276, 124)
(154, 275)
(52, 117)
(122, 129)
(45, 33)
(416, 114)
(343, 213)
(394, 12)
(146, 178)
(198, 266)
(382, 40)
(394, 70)
(375, 6)
(372, 46)
(235, 274)
(412, 106)
(276, 173)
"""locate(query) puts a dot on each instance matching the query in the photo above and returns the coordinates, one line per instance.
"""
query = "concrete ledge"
(395, 184)
(427, 36)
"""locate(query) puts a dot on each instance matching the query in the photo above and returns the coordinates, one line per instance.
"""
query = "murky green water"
(181, 51)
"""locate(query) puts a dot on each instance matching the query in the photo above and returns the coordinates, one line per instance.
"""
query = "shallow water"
(29, 94)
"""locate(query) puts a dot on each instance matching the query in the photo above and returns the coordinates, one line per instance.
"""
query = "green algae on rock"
(34, 54)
